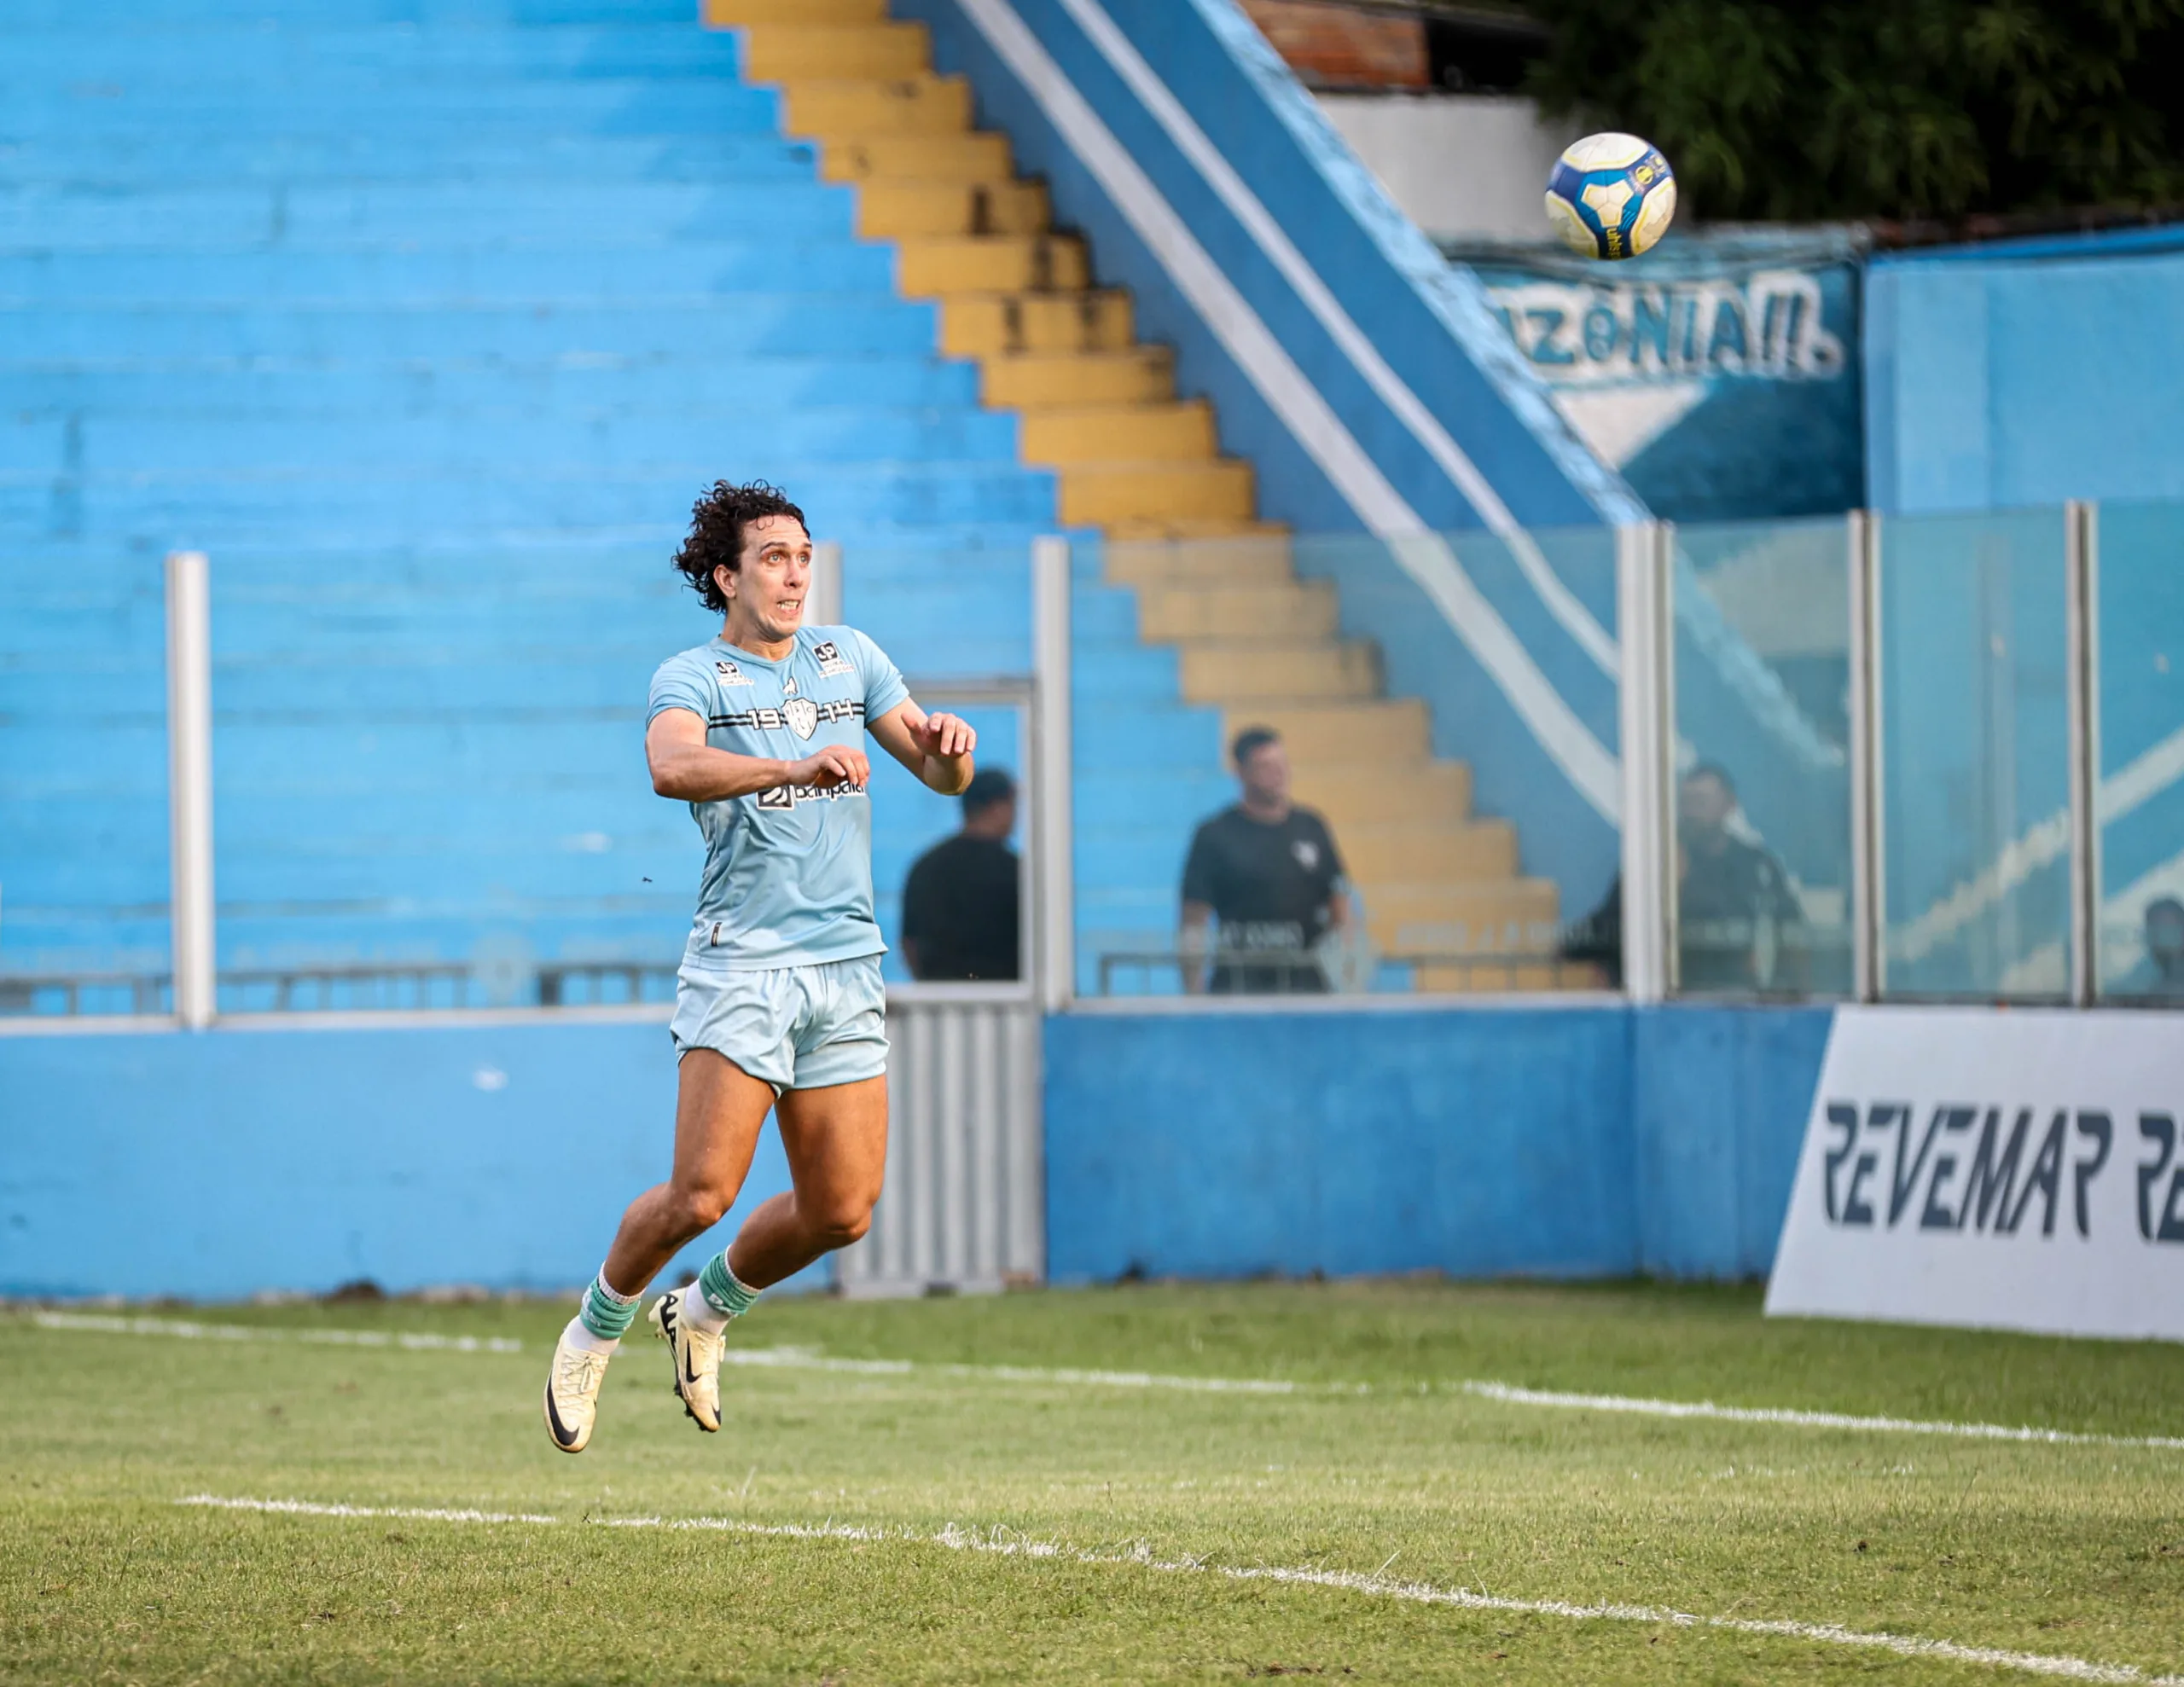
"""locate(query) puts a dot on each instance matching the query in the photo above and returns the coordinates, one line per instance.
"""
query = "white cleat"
(571, 1402)
(697, 1360)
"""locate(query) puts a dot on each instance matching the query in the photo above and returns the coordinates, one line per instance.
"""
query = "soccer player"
(778, 1005)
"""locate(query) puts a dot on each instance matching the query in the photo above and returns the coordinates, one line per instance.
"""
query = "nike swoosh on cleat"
(563, 1436)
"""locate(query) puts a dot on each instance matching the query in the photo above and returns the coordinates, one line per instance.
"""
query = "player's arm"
(685, 767)
(936, 748)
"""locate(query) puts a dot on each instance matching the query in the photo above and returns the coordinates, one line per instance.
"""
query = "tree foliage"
(1885, 108)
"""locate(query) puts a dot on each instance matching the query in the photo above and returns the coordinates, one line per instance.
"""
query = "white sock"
(698, 1312)
(584, 1342)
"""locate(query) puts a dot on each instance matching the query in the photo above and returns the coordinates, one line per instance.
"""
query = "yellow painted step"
(782, 52)
(1395, 851)
(1191, 527)
(921, 104)
(991, 324)
(1093, 494)
(1231, 675)
(1240, 559)
(1389, 733)
(1488, 976)
(1350, 795)
(728, 14)
(1108, 433)
(1290, 609)
(1510, 916)
(934, 265)
(970, 155)
(1038, 379)
(893, 207)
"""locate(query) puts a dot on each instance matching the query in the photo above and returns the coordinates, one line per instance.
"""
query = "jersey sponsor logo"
(788, 685)
(802, 715)
(1307, 853)
(830, 658)
(788, 796)
(730, 674)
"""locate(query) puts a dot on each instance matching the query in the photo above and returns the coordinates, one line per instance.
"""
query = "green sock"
(605, 1314)
(721, 1290)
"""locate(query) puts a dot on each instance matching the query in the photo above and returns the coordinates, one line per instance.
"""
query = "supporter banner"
(1719, 373)
(2016, 1170)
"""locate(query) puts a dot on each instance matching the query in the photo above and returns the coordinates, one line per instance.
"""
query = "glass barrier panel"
(947, 872)
(2140, 805)
(1763, 790)
(84, 874)
(1411, 827)
(429, 767)
(1974, 756)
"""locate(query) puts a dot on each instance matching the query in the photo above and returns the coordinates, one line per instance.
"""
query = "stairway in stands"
(1211, 584)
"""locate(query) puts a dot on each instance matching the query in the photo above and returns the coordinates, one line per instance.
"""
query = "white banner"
(2006, 1169)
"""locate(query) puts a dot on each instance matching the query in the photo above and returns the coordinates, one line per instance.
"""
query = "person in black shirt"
(1269, 873)
(1740, 926)
(959, 907)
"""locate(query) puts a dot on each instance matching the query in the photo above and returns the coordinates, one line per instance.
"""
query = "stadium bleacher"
(428, 320)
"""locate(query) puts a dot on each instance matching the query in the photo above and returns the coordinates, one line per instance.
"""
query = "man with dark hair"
(1269, 873)
(2159, 975)
(1738, 924)
(961, 913)
(778, 1007)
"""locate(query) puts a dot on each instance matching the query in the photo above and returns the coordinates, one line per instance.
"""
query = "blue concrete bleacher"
(427, 322)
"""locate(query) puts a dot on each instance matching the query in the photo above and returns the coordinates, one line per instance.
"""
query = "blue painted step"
(358, 217)
(98, 157)
(817, 323)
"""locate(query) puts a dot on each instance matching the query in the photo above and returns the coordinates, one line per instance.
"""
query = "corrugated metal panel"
(964, 1203)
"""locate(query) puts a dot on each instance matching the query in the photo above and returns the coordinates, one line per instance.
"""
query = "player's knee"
(841, 1220)
(699, 1207)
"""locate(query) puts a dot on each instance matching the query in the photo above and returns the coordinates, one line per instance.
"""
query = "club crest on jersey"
(802, 715)
(730, 674)
(1307, 853)
(830, 658)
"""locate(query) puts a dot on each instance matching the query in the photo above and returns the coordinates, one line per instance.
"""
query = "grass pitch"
(970, 1514)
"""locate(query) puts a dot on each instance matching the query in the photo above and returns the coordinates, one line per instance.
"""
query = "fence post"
(1868, 882)
(1053, 834)
(823, 597)
(189, 786)
(2082, 634)
(1647, 705)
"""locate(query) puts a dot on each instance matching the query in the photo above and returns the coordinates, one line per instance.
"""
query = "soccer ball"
(1611, 196)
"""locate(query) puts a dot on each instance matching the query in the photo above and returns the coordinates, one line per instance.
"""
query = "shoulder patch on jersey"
(730, 674)
(830, 658)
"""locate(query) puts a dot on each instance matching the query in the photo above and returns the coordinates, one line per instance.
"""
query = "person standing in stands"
(961, 910)
(1268, 872)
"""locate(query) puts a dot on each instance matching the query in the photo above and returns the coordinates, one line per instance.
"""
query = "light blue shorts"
(794, 1028)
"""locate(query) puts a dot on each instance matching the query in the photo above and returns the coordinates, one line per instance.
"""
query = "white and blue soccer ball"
(1611, 196)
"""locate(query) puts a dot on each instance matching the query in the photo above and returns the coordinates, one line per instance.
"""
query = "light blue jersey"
(788, 871)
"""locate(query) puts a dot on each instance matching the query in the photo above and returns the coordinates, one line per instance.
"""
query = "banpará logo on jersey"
(788, 796)
(802, 715)
(730, 674)
(830, 658)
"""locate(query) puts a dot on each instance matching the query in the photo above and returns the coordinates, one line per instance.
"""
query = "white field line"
(1504, 1394)
(1007, 1544)
(1812, 1420)
(186, 1329)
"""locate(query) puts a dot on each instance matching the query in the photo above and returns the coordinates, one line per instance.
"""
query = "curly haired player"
(778, 1005)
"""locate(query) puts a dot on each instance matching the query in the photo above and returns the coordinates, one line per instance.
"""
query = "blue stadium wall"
(2026, 372)
(1585, 1141)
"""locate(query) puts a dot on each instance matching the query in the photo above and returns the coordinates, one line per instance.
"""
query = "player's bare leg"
(836, 1139)
(719, 1110)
